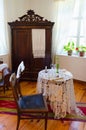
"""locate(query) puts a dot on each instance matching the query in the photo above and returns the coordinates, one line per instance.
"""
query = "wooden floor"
(8, 122)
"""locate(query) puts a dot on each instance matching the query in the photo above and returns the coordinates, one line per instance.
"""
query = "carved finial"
(30, 12)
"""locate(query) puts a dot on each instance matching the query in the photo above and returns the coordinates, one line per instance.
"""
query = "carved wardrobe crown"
(31, 18)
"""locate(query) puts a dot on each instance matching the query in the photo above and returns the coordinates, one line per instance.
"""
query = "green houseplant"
(69, 47)
(81, 50)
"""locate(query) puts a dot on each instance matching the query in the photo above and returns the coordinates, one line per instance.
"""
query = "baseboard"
(79, 81)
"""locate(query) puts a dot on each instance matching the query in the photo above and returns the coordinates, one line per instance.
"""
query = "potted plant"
(69, 47)
(81, 50)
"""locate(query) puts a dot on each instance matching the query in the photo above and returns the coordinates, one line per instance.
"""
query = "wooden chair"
(28, 107)
(4, 83)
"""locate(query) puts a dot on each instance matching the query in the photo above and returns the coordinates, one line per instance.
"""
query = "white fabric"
(38, 43)
(59, 90)
(2, 66)
(20, 69)
(3, 29)
(64, 23)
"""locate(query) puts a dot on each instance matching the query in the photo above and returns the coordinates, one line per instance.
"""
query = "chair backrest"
(20, 69)
(15, 87)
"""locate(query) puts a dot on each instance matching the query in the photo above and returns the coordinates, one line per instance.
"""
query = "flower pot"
(70, 52)
(81, 53)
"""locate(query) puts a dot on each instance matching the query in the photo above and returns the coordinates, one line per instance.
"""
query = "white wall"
(76, 65)
(44, 8)
(15, 8)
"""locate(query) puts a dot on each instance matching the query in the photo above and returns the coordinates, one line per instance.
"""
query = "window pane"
(1, 10)
(76, 8)
(74, 26)
(74, 39)
(82, 41)
(83, 27)
(83, 8)
(3, 45)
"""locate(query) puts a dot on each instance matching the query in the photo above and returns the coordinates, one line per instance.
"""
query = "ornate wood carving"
(32, 19)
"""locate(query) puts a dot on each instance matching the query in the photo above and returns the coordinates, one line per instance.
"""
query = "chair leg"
(46, 121)
(7, 87)
(18, 121)
(4, 88)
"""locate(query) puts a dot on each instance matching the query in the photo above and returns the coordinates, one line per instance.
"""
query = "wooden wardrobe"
(30, 45)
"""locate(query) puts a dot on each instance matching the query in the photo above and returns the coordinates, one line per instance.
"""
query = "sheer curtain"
(64, 16)
(71, 23)
(83, 23)
(3, 43)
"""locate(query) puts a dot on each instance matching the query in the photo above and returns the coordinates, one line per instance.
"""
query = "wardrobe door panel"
(22, 47)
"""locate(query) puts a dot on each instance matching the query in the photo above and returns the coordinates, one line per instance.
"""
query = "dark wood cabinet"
(22, 44)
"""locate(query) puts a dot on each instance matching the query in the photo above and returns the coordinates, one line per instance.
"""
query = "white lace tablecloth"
(58, 89)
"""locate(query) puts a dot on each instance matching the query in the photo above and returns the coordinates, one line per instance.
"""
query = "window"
(71, 23)
(3, 45)
(78, 27)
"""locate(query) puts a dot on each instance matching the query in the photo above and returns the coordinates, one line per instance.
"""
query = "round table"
(58, 89)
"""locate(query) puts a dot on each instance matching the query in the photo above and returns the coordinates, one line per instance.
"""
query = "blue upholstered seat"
(32, 102)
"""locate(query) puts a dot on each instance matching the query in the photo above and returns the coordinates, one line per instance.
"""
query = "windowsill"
(76, 56)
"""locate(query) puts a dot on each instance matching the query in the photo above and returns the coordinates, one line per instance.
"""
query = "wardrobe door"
(21, 47)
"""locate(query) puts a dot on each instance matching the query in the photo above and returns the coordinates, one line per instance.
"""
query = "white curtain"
(3, 43)
(64, 16)
(38, 43)
(68, 11)
(83, 14)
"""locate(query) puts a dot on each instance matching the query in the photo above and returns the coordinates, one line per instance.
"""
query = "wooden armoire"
(31, 43)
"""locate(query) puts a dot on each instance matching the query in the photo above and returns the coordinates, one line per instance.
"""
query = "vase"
(70, 52)
(81, 53)
(57, 68)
